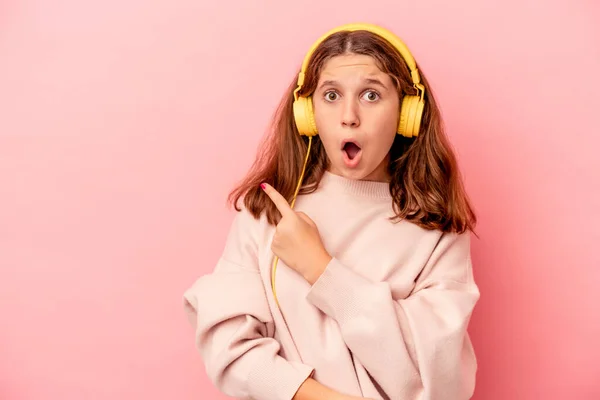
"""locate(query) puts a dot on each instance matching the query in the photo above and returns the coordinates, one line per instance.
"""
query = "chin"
(357, 174)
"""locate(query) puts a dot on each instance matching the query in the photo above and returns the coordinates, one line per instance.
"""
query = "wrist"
(313, 390)
(318, 265)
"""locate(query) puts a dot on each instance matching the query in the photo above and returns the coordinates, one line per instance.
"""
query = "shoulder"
(453, 253)
(445, 243)
(436, 244)
(244, 220)
(247, 233)
(455, 239)
(438, 237)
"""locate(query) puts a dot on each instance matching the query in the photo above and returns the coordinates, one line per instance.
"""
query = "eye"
(371, 96)
(331, 96)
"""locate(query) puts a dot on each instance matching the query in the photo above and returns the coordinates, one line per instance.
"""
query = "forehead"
(343, 65)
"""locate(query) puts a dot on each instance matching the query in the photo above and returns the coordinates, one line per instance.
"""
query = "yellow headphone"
(411, 110)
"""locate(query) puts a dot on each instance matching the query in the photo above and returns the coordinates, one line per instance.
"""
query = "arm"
(233, 324)
(417, 347)
(234, 328)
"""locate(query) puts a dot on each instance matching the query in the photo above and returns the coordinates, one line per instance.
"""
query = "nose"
(350, 116)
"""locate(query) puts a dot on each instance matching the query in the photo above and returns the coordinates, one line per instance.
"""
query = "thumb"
(305, 218)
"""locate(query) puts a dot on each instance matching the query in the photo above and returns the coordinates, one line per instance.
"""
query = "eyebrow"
(369, 81)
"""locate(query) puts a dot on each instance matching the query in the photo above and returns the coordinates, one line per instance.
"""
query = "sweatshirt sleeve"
(234, 327)
(415, 347)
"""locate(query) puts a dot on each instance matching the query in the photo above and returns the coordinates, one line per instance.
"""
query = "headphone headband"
(394, 40)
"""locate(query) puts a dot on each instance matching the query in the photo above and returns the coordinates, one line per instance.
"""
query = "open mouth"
(351, 149)
(352, 153)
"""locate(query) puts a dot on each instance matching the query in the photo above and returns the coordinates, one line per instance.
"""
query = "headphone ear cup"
(304, 116)
(410, 116)
(418, 117)
(405, 116)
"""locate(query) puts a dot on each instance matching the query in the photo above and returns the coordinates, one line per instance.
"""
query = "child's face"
(358, 103)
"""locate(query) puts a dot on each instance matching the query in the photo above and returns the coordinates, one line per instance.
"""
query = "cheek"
(323, 116)
(389, 116)
(325, 122)
(386, 122)
(384, 130)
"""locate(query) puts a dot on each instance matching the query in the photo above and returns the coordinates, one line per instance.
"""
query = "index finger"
(279, 201)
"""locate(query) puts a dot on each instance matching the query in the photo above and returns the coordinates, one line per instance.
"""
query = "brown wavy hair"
(425, 183)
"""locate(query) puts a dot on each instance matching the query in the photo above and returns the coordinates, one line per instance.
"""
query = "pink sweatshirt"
(387, 319)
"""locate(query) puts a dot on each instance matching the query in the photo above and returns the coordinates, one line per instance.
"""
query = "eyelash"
(368, 91)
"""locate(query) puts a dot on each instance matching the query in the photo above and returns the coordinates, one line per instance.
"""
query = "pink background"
(114, 118)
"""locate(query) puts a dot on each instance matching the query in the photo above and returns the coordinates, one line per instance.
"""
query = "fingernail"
(262, 185)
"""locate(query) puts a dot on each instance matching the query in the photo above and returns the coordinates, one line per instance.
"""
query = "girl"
(364, 288)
